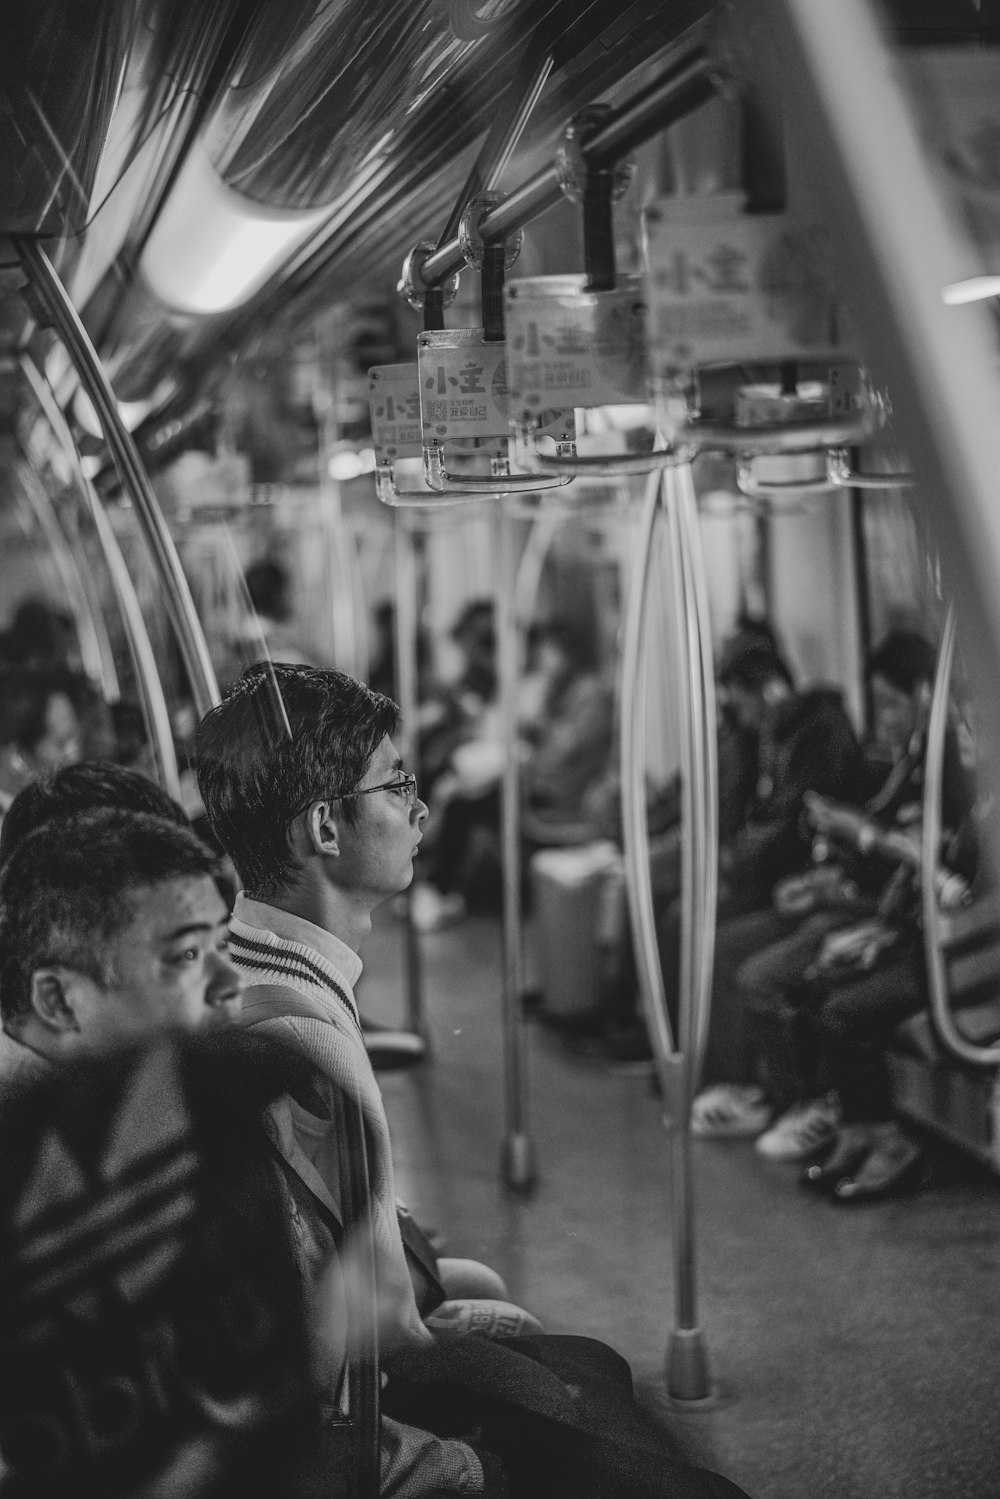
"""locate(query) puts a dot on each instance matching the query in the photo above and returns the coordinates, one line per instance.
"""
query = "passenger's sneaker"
(730, 1111)
(802, 1130)
(431, 909)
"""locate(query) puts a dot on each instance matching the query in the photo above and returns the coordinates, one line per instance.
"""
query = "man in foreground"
(111, 928)
(303, 787)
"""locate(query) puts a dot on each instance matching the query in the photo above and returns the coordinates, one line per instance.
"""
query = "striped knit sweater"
(415, 1464)
(331, 1039)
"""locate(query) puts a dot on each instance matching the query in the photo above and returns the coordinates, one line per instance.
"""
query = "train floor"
(854, 1351)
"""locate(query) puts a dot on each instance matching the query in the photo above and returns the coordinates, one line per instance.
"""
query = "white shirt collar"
(289, 928)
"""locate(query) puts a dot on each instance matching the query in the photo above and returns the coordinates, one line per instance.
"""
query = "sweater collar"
(289, 928)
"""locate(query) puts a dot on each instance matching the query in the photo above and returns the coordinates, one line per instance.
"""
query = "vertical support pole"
(677, 1064)
(518, 1163)
(635, 836)
(341, 561)
(135, 482)
(154, 705)
(407, 691)
(706, 757)
(863, 584)
(687, 1365)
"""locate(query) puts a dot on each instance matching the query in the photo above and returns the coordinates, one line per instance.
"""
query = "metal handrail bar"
(689, 83)
(840, 473)
(775, 437)
(951, 1038)
(502, 137)
(155, 712)
(134, 480)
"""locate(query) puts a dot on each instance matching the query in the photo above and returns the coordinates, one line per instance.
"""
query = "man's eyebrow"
(195, 926)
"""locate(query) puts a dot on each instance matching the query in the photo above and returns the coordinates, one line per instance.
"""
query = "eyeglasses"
(405, 786)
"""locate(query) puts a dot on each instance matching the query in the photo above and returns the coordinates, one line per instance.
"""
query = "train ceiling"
(340, 131)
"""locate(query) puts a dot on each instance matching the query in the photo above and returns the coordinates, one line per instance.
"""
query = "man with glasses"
(305, 790)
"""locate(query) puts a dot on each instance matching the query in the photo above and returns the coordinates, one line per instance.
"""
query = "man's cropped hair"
(285, 735)
(83, 788)
(66, 892)
(754, 669)
(905, 659)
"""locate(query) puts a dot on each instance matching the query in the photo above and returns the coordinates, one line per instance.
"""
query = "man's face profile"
(168, 967)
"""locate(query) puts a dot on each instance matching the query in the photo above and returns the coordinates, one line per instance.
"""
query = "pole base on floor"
(517, 1162)
(687, 1366)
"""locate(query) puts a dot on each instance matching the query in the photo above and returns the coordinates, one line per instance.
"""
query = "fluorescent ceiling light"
(211, 248)
(975, 289)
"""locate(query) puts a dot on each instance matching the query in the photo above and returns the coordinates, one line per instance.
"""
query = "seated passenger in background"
(805, 742)
(569, 740)
(111, 928)
(39, 727)
(759, 957)
(269, 627)
(154, 1337)
(40, 637)
(461, 764)
(322, 827)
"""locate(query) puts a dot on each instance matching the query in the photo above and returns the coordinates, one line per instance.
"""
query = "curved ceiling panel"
(301, 121)
(402, 173)
(371, 110)
(61, 67)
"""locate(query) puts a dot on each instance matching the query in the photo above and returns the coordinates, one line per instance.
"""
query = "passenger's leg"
(727, 1055)
(873, 1156)
(778, 1053)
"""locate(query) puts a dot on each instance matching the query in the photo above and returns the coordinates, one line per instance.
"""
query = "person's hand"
(823, 885)
(833, 817)
(794, 896)
(904, 844)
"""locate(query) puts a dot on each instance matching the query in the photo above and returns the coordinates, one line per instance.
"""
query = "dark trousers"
(557, 1411)
(853, 1020)
(808, 1036)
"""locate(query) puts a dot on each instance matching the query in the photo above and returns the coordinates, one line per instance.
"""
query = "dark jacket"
(807, 743)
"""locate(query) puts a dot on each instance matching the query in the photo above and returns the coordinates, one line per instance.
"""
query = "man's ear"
(322, 829)
(52, 994)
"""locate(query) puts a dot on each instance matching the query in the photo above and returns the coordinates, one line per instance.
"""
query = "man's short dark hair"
(65, 892)
(285, 736)
(754, 669)
(905, 659)
(83, 788)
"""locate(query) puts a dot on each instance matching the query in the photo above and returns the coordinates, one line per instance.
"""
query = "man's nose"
(421, 811)
(226, 982)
